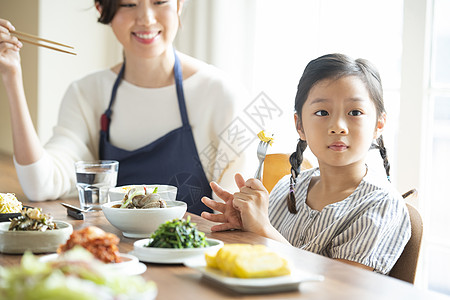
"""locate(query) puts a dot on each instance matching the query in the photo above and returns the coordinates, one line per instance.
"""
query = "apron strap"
(180, 93)
(106, 116)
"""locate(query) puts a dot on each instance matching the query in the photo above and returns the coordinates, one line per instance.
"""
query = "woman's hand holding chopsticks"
(13, 39)
(9, 49)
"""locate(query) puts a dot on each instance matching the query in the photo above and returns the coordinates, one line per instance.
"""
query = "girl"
(160, 113)
(342, 209)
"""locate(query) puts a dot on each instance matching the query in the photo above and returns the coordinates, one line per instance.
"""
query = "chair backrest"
(276, 166)
(405, 267)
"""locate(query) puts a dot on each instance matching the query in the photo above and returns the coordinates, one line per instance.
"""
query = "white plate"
(130, 265)
(253, 285)
(17, 242)
(171, 255)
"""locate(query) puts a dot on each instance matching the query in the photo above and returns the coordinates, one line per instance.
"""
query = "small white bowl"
(167, 192)
(138, 223)
(16, 242)
(171, 255)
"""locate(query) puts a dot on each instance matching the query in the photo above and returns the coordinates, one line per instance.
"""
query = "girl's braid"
(380, 146)
(295, 160)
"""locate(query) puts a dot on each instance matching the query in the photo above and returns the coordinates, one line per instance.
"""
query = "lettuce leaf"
(75, 275)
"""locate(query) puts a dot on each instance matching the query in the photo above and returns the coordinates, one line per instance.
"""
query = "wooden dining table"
(176, 281)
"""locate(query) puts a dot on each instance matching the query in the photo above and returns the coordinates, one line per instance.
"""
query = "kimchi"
(101, 244)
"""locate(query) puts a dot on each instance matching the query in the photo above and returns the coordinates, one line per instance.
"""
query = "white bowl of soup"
(167, 192)
(140, 223)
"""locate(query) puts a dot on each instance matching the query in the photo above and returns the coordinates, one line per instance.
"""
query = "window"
(437, 205)
(288, 34)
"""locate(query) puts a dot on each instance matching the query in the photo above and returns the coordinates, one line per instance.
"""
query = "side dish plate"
(253, 285)
(171, 255)
(7, 217)
(17, 242)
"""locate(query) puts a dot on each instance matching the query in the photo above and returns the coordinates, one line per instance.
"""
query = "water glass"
(94, 179)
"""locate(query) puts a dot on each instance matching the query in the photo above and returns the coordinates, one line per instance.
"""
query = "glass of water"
(94, 179)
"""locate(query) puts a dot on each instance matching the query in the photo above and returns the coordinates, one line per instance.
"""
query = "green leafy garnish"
(178, 233)
(74, 275)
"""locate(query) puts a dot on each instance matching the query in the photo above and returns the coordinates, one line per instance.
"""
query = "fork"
(261, 153)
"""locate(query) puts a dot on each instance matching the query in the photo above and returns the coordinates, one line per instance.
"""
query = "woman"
(160, 113)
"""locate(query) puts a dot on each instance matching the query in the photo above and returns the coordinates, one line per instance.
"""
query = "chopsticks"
(20, 36)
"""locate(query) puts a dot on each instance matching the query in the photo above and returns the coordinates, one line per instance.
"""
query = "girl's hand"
(252, 201)
(9, 49)
(229, 217)
(247, 209)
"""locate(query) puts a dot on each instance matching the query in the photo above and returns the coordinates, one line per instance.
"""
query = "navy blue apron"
(172, 159)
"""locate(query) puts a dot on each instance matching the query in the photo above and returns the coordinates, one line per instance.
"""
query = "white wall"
(74, 23)
(24, 20)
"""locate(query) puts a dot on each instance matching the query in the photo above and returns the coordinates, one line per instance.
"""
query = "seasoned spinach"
(178, 233)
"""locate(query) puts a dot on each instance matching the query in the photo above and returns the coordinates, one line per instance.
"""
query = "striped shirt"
(370, 227)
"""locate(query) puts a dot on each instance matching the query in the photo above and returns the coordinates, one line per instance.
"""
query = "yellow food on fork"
(248, 261)
(265, 137)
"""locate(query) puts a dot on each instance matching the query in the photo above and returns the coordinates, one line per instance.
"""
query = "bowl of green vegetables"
(174, 242)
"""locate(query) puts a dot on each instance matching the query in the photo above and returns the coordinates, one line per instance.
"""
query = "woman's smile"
(146, 29)
(146, 37)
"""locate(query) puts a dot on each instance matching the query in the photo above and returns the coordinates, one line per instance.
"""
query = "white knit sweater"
(212, 100)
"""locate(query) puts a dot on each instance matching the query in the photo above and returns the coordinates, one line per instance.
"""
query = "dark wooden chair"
(406, 266)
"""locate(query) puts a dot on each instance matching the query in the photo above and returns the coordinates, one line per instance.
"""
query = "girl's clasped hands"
(247, 209)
